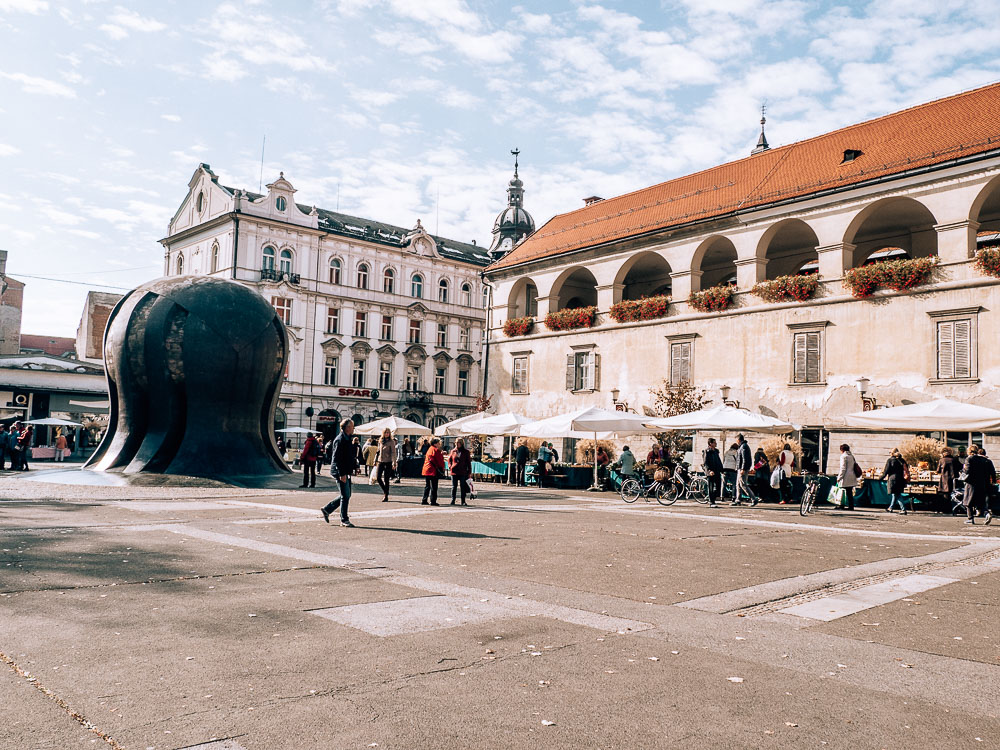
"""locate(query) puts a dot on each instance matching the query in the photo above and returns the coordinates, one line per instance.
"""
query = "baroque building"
(765, 282)
(381, 320)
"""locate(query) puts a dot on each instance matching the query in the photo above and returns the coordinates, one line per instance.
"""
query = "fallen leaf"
(790, 724)
(547, 723)
(735, 679)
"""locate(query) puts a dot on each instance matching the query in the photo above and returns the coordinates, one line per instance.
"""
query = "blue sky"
(407, 109)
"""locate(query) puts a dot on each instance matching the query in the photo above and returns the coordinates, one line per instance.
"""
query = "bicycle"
(683, 484)
(810, 495)
(636, 487)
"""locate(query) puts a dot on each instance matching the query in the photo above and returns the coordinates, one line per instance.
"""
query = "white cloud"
(113, 31)
(134, 22)
(23, 6)
(7, 150)
(171, 118)
(85, 233)
(38, 85)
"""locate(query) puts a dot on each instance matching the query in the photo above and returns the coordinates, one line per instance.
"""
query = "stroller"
(958, 499)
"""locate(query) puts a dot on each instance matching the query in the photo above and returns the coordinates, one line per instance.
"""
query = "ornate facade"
(381, 320)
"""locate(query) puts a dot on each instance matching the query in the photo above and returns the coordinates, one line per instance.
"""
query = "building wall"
(11, 304)
(94, 319)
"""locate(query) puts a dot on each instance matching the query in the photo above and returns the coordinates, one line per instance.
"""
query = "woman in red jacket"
(433, 470)
(460, 461)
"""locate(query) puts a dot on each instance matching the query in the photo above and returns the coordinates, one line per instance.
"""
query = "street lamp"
(868, 403)
(724, 390)
(619, 405)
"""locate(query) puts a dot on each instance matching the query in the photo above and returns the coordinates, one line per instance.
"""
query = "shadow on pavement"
(446, 533)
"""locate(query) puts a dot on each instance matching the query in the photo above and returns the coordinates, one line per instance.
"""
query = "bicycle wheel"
(666, 494)
(631, 489)
(698, 490)
(808, 498)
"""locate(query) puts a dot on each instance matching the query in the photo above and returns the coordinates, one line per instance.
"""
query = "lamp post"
(619, 405)
(868, 403)
(724, 390)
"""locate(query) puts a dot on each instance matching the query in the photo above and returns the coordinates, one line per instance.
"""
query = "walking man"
(744, 462)
(980, 475)
(713, 469)
(521, 456)
(344, 462)
(310, 452)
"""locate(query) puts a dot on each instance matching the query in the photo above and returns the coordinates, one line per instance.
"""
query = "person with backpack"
(896, 474)
(308, 457)
(848, 474)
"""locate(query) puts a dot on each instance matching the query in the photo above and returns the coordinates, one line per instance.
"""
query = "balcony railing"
(416, 398)
(274, 274)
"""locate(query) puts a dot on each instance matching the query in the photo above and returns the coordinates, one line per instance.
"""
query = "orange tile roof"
(928, 134)
(58, 346)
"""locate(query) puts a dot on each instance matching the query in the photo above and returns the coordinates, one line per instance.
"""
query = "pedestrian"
(4, 447)
(744, 462)
(521, 456)
(24, 445)
(370, 454)
(433, 470)
(847, 474)
(386, 462)
(345, 459)
(321, 456)
(308, 456)
(542, 464)
(359, 458)
(13, 448)
(626, 463)
(786, 460)
(713, 469)
(460, 461)
(425, 445)
(602, 465)
(654, 457)
(328, 450)
(280, 442)
(948, 469)
(555, 453)
(762, 474)
(980, 475)
(400, 457)
(60, 447)
(729, 470)
(896, 474)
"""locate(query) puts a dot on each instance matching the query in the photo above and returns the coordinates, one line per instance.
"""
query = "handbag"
(776, 476)
(661, 475)
(373, 476)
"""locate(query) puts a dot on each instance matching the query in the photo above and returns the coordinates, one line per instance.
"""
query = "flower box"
(714, 299)
(646, 308)
(518, 326)
(577, 317)
(890, 274)
(800, 287)
(988, 261)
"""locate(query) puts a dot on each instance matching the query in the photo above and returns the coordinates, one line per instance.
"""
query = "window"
(363, 276)
(680, 362)
(332, 319)
(385, 375)
(463, 382)
(439, 378)
(199, 203)
(414, 337)
(443, 290)
(954, 349)
(413, 378)
(442, 335)
(388, 281)
(806, 359)
(417, 286)
(360, 324)
(280, 203)
(386, 328)
(330, 371)
(463, 338)
(519, 380)
(180, 264)
(334, 271)
(283, 306)
(582, 371)
(215, 259)
(486, 298)
(467, 295)
(358, 374)
(285, 262)
(267, 259)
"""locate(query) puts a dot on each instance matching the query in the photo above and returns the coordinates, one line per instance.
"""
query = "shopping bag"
(838, 495)
(373, 476)
(776, 476)
(472, 488)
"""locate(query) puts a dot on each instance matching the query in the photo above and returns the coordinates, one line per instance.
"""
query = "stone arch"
(644, 275)
(575, 287)
(523, 299)
(903, 227)
(328, 423)
(389, 280)
(789, 247)
(985, 209)
(715, 258)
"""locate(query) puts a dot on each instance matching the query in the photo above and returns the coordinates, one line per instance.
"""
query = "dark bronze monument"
(194, 367)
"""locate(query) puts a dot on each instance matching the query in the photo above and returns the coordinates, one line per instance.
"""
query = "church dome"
(514, 218)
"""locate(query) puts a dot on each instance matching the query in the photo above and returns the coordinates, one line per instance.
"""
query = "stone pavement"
(225, 618)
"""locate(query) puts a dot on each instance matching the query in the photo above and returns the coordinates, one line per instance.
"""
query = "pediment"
(333, 344)
(416, 353)
(387, 351)
(361, 347)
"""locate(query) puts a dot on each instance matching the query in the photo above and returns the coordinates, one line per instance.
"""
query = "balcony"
(273, 274)
(416, 398)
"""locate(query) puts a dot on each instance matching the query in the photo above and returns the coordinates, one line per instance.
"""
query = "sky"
(396, 110)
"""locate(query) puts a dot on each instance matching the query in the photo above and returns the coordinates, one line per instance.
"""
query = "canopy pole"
(595, 488)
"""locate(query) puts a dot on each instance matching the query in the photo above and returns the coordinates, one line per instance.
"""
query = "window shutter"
(812, 358)
(799, 363)
(963, 349)
(570, 372)
(946, 349)
(596, 359)
(680, 365)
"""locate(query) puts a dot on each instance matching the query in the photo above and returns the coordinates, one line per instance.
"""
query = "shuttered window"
(583, 371)
(806, 358)
(520, 378)
(954, 349)
(680, 363)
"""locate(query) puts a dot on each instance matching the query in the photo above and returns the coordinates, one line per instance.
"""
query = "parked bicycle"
(636, 487)
(810, 495)
(683, 484)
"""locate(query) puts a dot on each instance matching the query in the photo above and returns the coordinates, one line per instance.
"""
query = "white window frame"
(364, 272)
(333, 320)
(283, 306)
(945, 320)
(330, 368)
(444, 291)
(442, 335)
(800, 349)
(411, 329)
(440, 380)
(360, 324)
(386, 332)
(417, 286)
(519, 371)
(336, 268)
(389, 281)
(358, 372)
(464, 337)
(385, 374)
(463, 382)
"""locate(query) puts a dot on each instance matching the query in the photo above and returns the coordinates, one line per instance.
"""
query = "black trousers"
(308, 473)
(714, 487)
(519, 474)
(431, 489)
(849, 491)
(540, 472)
(383, 476)
(457, 482)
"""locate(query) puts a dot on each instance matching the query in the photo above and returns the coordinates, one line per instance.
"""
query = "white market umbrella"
(395, 424)
(454, 427)
(296, 430)
(723, 419)
(589, 422)
(941, 415)
(506, 425)
(54, 422)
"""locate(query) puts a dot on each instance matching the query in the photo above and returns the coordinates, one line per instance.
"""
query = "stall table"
(48, 451)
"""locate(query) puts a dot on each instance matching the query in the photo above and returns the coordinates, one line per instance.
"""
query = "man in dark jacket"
(308, 457)
(713, 469)
(344, 463)
(744, 462)
(980, 476)
(521, 456)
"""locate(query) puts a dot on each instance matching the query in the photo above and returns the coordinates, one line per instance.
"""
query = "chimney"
(592, 200)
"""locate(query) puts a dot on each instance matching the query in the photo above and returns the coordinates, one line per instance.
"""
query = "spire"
(515, 190)
(515, 152)
(762, 144)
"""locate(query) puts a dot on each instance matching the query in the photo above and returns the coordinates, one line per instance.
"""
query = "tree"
(671, 400)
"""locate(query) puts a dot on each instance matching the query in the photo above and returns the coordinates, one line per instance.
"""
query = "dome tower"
(514, 223)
